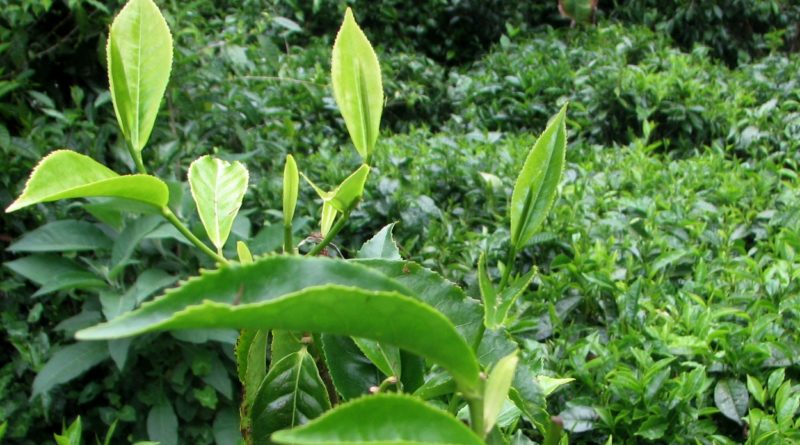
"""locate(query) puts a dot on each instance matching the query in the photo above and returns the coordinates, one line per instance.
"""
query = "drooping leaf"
(64, 174)
(381, 245)
(139, 62)
(732, 399)
(291, 185)
(68, 363)
(218, 188)
(357, 85)
(162, 424)
(538, 180)
(352, 372)
(292, 394)
(61, 236)
(497, 385)
(385, 419)
(259, 296)
(435, 290)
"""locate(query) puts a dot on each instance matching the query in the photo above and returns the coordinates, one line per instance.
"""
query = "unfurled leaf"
(497, 385)
(509, 295)
(291, 184)
(352, 372)
(538, 180)
(381, 245)
(732, 399)
(139, 62)
(218, 188)
(258, 296)
(381, 419)
(348, 193)
(64, 174)
(357, 85)
(549, 385)
(69, 362)
(162, 424)
(385, 357)
(292, 394)
(62, 236)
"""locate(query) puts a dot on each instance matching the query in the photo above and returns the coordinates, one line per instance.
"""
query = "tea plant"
(346, 340)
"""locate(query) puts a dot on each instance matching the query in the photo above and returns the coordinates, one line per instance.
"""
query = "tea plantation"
(666, 306)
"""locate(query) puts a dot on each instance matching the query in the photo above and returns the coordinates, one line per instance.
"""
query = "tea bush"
(667, 272)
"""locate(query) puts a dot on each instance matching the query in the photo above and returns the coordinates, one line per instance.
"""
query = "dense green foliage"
(667, 282)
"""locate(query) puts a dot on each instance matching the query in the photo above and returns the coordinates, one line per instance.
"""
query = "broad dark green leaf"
(54, 273)
(431, 288)
(357, 85)
(149, 282)
(64, 174)
(162, 424)
(246, 296)
(385, 419)
(139, 62)
(130, 237)
(381, 245)
(578, 419)
(292, 394)
(60, 236)
(69, 362)
(732, 399)
(538, 180)
(352, 373)
(218, 188)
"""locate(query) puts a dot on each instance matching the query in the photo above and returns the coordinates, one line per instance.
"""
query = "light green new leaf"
(549, 384)
(497, 385)
(257, 295)
(251, 358)
(488, 294)
(218, 188)
(345, 196)
(385, 419)
(327, 218)
(291, 184)
(70, 435)
(536, 185)
(139, 62)
(357, 86)
(65, 174)
(381, 245)
(509, 296)
(292, 394)
(245, 256)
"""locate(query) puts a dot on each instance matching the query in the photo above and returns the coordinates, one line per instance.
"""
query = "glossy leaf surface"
(351, 371)
(382, 420)
(357, 85)
(218, 188)
(536, 185)
(291, 394)
(65, 174)
(139, 63)
(385, 357)
(259, 296)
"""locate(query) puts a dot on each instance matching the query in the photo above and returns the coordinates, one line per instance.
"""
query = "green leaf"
(292, 394)
(162, 424)
(245, 257)
(71, 435)
(756, 389)
(139, 62)
(285, 343)
(385, 419)
(352, 372)
(497, 385)
(732, 399)
(381, 245)
(291, 185)
(357, 86)
(61, 236)
(549, 385)
(327, 218)
(488, 294)
(259, 296)
(536, 185)
(218, 188)
(509, 296)
(130, 237)
(255, 369)
(64, 174)
(347, 194)
(385, 357)
(69, 362)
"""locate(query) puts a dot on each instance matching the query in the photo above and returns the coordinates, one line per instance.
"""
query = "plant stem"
(331, 234)
(476, 415)
(167, 213)
(509, 264)
(137, 159)
(288, 244)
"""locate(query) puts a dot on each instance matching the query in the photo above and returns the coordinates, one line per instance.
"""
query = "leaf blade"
(218, 188)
